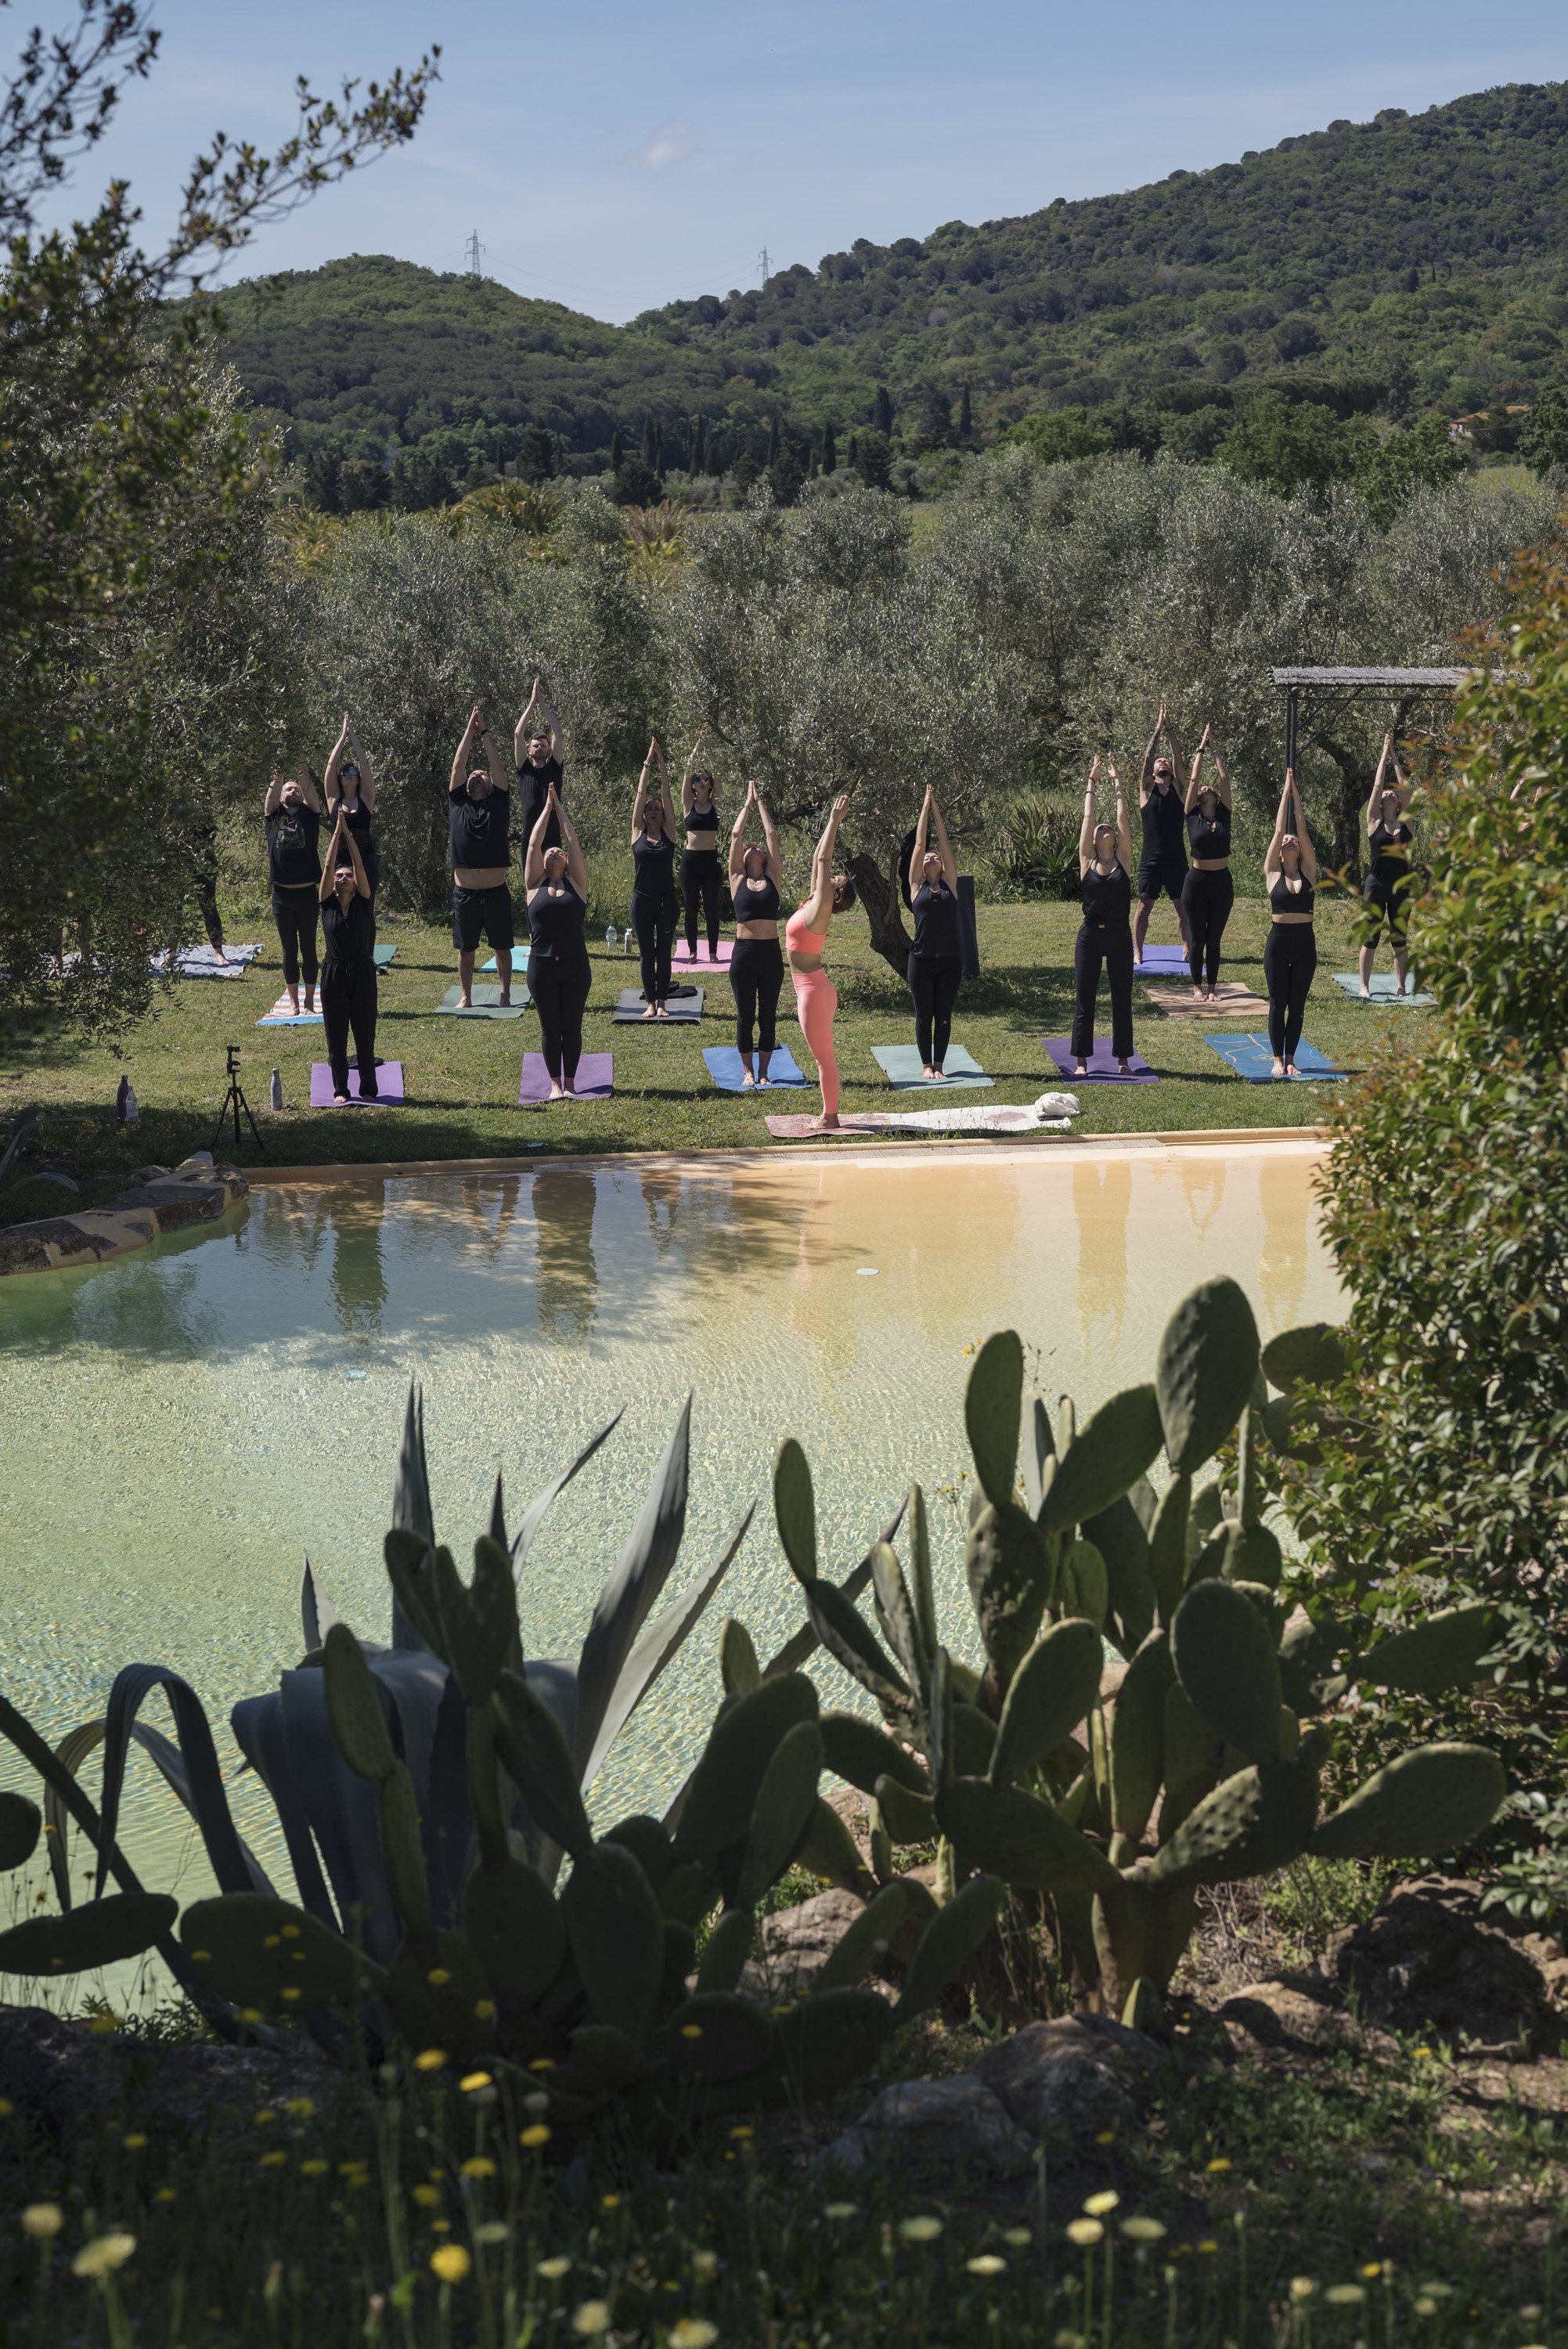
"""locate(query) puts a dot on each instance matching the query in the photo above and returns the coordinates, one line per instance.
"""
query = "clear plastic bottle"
(611, 934)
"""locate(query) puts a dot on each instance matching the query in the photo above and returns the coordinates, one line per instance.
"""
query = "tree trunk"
(204, 841)
(884, 911)
(1355, 789)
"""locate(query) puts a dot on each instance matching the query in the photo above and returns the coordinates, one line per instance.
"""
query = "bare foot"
(506, 999)
(1365, 996)
(659, 1012)
(340, 1101)
(1279, 1069)
(568, 1092)
(465, 1003)
(1082, 1069)
(309, 1005)
(557, 1093)
(1122, 1069)
(1292, 1071)
(746, 1080)
(652, 1012)
(829, 1122)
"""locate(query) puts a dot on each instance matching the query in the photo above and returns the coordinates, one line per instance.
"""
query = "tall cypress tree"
(617, 450)
(649, 437)
(773, 438)
(966, 418)
(829, 449)
(881, 415)
(656, 448)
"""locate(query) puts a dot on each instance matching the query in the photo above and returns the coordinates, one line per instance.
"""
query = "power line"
(762, 264)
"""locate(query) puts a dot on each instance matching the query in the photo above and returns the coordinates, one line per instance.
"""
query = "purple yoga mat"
(1161, 958)
(388, 1082)
(1102, 1068)
(594, 1072)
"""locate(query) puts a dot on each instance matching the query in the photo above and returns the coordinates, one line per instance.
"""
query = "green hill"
(1415, 262)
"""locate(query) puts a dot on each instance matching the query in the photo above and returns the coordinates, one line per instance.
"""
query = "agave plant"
(12, 1176)
(1206, 1765)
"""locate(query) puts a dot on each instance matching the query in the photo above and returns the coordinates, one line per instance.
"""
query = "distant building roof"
(1433, 679)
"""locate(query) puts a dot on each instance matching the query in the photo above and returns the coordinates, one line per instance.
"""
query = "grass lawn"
(461, 1076)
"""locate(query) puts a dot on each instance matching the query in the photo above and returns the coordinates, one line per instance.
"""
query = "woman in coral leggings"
(805, 935)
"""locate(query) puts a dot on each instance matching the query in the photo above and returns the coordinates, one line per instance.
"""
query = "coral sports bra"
(799, 937)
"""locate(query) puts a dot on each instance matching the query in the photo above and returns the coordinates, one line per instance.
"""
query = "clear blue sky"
(614, 156)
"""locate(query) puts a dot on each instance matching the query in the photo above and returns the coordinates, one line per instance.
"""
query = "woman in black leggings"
(348, 981)
(1208, 893)
(1290, 956)
(756, 966)
(699, 858)
(292, 814)
(1387, 887)
(936, 959)
(1104, 933)
(559, 974)
(655, 904)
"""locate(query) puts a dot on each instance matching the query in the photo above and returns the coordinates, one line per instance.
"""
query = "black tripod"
(235, 1098)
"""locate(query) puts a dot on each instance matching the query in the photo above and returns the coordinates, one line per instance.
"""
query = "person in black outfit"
(1104, 933)
(655, 906)
(349, 784)
(1208, 893)
(538, 753)
(699, 858)
(559, 973)
(348, 981)
(479, 817)
(1290, 956)
(292, 814)
(1162, 866)
(936, 957)
(756, 966)
(1388, 875)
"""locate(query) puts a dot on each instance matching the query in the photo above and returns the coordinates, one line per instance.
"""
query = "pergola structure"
(1335, 689)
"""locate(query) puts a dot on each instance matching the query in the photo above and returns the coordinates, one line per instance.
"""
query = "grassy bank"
(461, 1076)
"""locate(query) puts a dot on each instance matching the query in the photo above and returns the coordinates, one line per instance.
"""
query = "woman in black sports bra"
(756, 966)
(349, 784)
(1208, 893)
(559, 973)
(1290, 955)
(699, 858)
(1104, 933)
(1387, 887)
(936, 957)
(655, 904)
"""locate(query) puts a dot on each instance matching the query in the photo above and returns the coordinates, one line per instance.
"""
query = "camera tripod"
(235, 1098)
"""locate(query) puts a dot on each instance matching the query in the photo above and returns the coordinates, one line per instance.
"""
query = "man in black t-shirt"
(291, 813)
(538, 752)
(479, 817)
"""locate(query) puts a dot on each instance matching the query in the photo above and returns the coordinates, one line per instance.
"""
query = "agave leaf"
(921, 1589)
(411, 1509)
(629, 1594)
(796, 1650)
(74, 1749)
(533, 1515)
(496, 1527)
(539, 1762)
(343, 1813)
(895, 1613)
(664, 1638)
(316, 1612)
(851, 1641)
(208, 1803)
(257, 1722)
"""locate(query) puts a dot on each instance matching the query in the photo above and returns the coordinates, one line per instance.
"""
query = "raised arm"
(770, 839)
(576, 863)
(1282, 825)
(654, 759)
(1194, 779)
(1086, 828)
(690, 769)
(366, 779)
(944, 847)
(459, 775)
(917, 855)
(327, 887)
(1298, 825)
(492, 754)
(1404, 791)
(329, 780)
(362, 885)
(521, 731)
(307, 782)
(737, 837)
(1146, 781)
(1220, 768)
(533, 855)
(1374, 807)
(1123, 828)
(274, 798)
(820, 905)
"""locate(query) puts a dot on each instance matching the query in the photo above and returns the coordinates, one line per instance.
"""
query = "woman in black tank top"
(756, 966)
(655, 906)
(555, 880)
(1387, 887)
(1290, 956)
(699, 858)
(349, 784)
(1208, 893)
(1104, 933)
(936, 957)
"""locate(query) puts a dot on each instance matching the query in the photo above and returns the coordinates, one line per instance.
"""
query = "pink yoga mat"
(1102, 1068)
(594, 1072)
(388, 1081)
(706, 961)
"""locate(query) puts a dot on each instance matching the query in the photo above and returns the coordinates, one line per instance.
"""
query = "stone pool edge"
(162, 1199)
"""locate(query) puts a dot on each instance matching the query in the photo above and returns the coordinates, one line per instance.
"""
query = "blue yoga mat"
(1382, 986)
(900, 1064)
(725, 1068)
(382, 955)
(1251, 1057)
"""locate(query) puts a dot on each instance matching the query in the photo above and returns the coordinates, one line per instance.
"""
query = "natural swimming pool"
(177, 1430)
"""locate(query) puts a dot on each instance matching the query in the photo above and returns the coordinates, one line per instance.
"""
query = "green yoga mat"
(486, 1005)
(1382, 986)
(900, 1063)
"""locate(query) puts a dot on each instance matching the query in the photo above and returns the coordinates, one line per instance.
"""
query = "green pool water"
(179, 1429)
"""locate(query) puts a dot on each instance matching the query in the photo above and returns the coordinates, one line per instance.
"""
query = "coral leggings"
(816, 1000)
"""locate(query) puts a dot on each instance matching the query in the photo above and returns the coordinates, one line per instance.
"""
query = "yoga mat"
(1382, 986)
(900, 1063)
(679, 1007)
(486, 1005)
(382, 955)
(1102, 1068)
(280, 1016)
(594, 1079)
(518, 962)
(388, 1081)
(1251, 1057)
(1159, 959)
(704, 960)
(202, 962)
(803, 1127)
(725, 1067)
(1230, 1001)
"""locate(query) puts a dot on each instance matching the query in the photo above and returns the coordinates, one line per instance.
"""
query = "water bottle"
(610, 934)
(121, 1096)
(132, 1106)
(631, 941)
(275, 1092)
